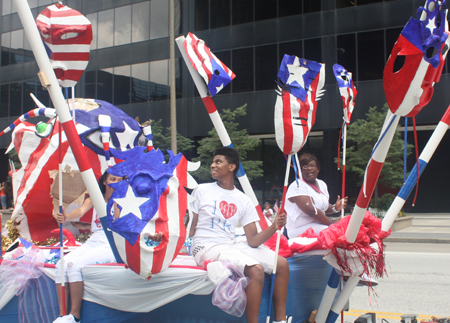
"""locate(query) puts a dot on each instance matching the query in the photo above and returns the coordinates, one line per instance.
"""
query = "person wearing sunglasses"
(307, 200)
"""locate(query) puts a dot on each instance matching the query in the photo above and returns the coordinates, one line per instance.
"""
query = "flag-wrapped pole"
(48, 79)
(411, 181)
(220, 128)
(344, 149)
(61, 236)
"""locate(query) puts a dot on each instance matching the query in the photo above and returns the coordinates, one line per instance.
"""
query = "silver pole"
(173, 107)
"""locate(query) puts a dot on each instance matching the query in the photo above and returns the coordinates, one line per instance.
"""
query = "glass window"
(42, 95)
(265, 9)
(266, 68)
(178, 80)
(28, 55)
(93, 19)
(177, 17)
(159, 19)
(346, 53)
(311, 6)
(105, 36)
(289, 8)
(44, 2)
(313, 49)
(89, 84)
(344, 3)
(140, 23)
(32, 3)
(4, 100)
(159, 80)
(201, 15)
(29, 87)
(6, 7)
(370, 55)
(122, 23)
(242, 11)
(105, 84)
(122, 85)
(6, 48)
(363, 2)
(15, 99)
(220, 13)
(243, 68)
(17, 46)
(225, 57)
(139, 82)
(291, 48)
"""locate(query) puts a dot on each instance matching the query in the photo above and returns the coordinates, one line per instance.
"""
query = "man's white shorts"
(239, 253)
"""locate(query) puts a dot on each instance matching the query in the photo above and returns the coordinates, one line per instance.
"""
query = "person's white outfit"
(219, 213)
(297, 220)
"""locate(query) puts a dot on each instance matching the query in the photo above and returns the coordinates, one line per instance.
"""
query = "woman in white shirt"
(307, 201)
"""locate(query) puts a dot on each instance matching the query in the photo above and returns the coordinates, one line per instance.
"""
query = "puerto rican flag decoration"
(215, 73)
(151, 199)
(424, 45)
(347, 90)
(295, 108)
(67, 36)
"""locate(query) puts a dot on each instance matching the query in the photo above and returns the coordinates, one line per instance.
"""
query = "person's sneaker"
(367, 281)
(66, 319)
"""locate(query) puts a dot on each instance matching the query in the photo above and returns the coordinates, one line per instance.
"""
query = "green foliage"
(361, 138)
(162, 139)
(384, 202)
(241, 141)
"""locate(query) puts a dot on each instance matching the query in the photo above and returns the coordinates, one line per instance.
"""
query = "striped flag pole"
(61, 236)
(411, 181)
(221, 130)
(371, 177)
(51, 83)
(344, 149)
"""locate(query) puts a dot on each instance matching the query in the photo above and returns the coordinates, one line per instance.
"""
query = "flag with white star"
(215, 73)
(417, 60)
(347, 90)
(301, 87)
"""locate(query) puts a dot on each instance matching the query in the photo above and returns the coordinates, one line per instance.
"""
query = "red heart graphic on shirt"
(228, 210)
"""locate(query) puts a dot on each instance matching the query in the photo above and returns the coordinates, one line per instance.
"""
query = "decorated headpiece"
(295, 108)
(151, 199)
(424, 45)
(67, 36)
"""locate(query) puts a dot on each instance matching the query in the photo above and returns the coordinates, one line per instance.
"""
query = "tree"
(161, 139)
(241, 141)
(361, 138)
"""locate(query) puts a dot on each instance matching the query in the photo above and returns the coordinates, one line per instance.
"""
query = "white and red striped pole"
(411, 181)
(221, 130)
(60, 104)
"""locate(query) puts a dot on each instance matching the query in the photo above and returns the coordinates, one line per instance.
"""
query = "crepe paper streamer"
(220, 128)
(215, 73)
(411, 88)
(62, 109)
(328, 296)
(151, 199)
(104, 121)
(295, 108)
(147, 130)
(405, 149)
(424, 158)
(46, 112)
(67, 37)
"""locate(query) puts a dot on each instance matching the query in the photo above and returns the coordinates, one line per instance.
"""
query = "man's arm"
(193, 224)
(256, 239)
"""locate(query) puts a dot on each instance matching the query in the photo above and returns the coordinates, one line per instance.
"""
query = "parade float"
(160, 282)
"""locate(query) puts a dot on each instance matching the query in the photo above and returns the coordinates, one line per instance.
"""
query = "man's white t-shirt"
(296, 218)
(219, 213)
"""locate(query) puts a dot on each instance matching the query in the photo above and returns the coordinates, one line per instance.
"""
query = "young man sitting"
(219, 208)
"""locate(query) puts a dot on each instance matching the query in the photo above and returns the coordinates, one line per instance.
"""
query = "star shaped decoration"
(131, 203)
(431, 25)
(126, 138)
(218, 88)
(296, 73)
